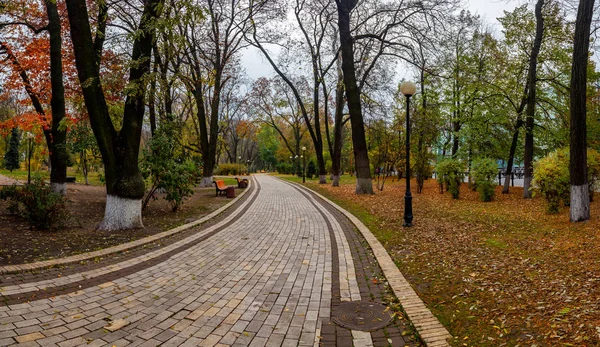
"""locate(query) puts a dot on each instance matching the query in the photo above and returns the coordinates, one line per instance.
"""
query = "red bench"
(221, 187)
(242, 183)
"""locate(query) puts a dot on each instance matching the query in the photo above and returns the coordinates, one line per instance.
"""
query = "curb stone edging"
(118, 248)
(429, 328)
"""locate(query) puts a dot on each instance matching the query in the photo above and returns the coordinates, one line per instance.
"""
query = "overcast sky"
(491, 9)
(488, 9)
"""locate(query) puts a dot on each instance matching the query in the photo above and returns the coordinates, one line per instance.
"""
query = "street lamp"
(303, 164)
(239, 165)
(408, 89)
(30, 137)
(248, 166)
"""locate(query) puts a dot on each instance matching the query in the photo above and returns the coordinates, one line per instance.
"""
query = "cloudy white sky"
(491, 9)
(488, 9)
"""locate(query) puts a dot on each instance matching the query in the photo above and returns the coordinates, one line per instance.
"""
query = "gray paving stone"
(265, 279)
(7, 341)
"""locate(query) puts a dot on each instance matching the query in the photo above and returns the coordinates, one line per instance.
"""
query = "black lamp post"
(30, 137)
(240, 165)
(303, 164)
(248, 166)
(408, 89)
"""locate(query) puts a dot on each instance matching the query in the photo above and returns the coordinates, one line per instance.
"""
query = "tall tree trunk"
(209, 133)
(318, 137)
(84, 166)
(208, 162)
(530, 110)
(56, 137)
(364, 183)
(580, 200)
(455, 140)
(152, 97)
(213, 136)
(511, 156)
(120, 149)
(338, 131)
(456, 121)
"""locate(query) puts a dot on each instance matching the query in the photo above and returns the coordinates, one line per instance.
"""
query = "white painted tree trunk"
(322, 179)
(60, 188)
(206, 182)
(580, 203)
(336, 180)
(122, 214)
(364, 186)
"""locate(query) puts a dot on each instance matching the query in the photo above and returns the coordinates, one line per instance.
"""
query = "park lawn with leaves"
(500, 273)
(21, 244)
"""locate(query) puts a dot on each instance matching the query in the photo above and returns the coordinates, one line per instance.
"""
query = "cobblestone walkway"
(268, 274)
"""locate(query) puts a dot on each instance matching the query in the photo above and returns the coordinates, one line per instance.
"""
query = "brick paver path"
(5, 181)
(268, 274)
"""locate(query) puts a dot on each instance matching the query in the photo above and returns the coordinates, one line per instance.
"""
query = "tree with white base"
(580, 199)
(125, 186)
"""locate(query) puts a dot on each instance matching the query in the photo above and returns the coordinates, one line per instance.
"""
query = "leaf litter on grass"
(502, 273)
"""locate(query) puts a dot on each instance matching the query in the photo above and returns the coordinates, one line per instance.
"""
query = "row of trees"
(333, 89)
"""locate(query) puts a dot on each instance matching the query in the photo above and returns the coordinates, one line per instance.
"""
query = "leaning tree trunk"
(580, 200)
(125, 186)
(530, 110)
(364, 184)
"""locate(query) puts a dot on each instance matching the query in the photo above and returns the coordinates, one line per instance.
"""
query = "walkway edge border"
(118, 248)
(429, 328)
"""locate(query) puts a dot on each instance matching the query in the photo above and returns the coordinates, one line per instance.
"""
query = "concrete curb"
(431, 331)
(115, 249)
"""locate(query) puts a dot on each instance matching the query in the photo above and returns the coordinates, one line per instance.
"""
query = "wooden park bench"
(221, 187)
(242, 183)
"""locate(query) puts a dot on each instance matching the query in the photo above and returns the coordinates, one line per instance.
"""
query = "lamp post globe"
(408, 89)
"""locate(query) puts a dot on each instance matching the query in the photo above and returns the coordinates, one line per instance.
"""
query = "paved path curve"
(268, 274)
(6, 181)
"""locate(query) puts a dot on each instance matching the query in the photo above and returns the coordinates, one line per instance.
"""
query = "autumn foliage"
(25, 45)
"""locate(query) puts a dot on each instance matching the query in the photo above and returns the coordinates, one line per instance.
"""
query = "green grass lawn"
(93, 177)
(21, 175)
(229, 181)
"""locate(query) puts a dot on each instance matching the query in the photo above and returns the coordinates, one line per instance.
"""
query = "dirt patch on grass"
(502, 273)
(20, 244)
